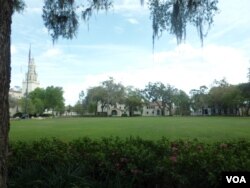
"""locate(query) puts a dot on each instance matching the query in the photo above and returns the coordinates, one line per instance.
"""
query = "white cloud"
(52, 52)
(133, 21)
(184, 67)
(128, 7)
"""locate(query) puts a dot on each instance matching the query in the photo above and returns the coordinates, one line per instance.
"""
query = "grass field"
(208, 129)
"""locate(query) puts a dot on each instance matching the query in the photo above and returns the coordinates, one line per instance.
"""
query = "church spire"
(29, 54)
(30, 82)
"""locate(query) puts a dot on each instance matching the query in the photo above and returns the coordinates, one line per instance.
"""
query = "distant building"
(150, 109)
(112, 110)
(30, 83)
(153, 109)
(16, 92)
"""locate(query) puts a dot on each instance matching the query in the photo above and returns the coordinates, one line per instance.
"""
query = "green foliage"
(61, 19)
(54, 98)
(182, 103)
(222, 98)
(133, 100)
(108, 93)
(27, 106)
(37, 98)
(130, 162)
(18, 5)
(41, 99)
(162, 95)
(245, 96)
(174, 16)
(199, 98)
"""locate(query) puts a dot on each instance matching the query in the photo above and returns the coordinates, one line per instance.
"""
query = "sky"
(118, 44)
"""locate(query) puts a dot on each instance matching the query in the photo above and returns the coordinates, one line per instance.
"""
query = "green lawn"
(207, 129)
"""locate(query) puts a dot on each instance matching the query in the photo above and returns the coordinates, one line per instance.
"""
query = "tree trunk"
(5, 33)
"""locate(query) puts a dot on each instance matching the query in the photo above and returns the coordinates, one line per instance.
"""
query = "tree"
(28, 104)
(245, 94)
(133, 100)
(54, 99)
(115, 92)
(80, 106)
(37, 98)
(108, 93)
(162, 95)
(224, 98)
(61, 19)
(182, 103)
(95, 95)
(174, 15)
(199, 98)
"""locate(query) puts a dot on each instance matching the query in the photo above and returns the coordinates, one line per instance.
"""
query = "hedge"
(118, 163)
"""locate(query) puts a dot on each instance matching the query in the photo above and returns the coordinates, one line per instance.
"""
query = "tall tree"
(182, 103)
(115, 92)
(199, 98)
(37, 98)
(162, 95)
(224, 98)
(133, 100)
(94, 96)
(108, 93)
(28, 105)
(54, 99)
(80, 106)
(6, 11)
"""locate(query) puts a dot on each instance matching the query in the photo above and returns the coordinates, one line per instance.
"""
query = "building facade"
(30, 82)
(150, 109)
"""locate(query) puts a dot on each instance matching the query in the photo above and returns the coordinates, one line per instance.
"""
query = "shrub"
(131, 162)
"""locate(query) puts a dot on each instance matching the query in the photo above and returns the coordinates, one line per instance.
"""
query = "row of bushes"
(131, 162)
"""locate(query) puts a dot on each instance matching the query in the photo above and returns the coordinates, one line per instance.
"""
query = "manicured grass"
(208, 129)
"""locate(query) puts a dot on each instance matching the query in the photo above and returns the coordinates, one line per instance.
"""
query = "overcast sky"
(118, 44)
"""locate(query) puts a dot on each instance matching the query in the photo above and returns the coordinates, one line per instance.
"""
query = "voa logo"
(236, 179)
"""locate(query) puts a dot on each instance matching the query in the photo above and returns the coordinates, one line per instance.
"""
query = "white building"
(16, 92)
(30, 83)
(151, 109)
(112, 110)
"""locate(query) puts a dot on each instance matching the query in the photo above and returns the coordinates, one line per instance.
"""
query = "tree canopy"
(61, 17)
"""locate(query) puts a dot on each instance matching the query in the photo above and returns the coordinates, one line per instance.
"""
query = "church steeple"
(30, 82)
(29, 54)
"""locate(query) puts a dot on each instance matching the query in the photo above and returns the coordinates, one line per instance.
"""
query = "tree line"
(221, 99)
(40, 100)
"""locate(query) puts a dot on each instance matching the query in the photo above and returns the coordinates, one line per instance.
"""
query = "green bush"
(131, 162)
